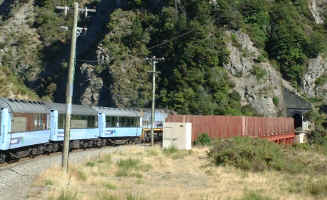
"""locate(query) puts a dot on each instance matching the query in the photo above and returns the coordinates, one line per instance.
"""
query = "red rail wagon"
(280, 130)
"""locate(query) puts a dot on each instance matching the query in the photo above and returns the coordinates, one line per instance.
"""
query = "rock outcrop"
(92, 84)
(317, 69)
(257, 82)
(316, 10)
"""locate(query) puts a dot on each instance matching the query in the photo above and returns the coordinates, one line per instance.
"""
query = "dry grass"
(152, 174)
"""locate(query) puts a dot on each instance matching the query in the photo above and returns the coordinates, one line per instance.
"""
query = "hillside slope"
(221, 57)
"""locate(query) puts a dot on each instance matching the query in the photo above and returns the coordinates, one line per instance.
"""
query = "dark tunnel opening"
(297, 120)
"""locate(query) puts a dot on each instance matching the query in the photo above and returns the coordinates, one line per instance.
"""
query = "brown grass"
(188, 177)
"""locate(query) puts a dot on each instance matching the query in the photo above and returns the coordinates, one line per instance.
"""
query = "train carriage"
(84, 128)
(24, 127)
(159, 120)
(117, 123)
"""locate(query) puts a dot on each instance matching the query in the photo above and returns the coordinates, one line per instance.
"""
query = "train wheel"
(55, 147)
(3, 157)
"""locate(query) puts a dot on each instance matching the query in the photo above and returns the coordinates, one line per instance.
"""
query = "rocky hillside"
(221, 56)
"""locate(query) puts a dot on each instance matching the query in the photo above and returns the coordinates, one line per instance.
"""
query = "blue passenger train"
(29, 128)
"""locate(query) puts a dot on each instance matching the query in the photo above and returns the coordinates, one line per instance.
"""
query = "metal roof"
(294, 101)
(122, 112)
(76, 109)
(23, 106)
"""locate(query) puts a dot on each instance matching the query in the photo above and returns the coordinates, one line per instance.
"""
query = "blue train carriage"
(84, 130)
(119, 125)
(25, 128)
(159, 120)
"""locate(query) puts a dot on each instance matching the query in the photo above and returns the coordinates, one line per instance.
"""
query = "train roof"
(26, 106)
(76, 109)
(23, 106)
(122, 112)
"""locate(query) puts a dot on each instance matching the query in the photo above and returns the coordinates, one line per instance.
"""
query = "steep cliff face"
(318, 9)
(92, 85)
(19, 48)
(258, 83)
(315, 80)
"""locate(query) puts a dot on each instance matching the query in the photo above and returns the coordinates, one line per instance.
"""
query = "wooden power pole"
(154, 60)
(69, 90)
(70, 84)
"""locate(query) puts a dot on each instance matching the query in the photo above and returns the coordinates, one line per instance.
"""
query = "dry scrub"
(141, 173)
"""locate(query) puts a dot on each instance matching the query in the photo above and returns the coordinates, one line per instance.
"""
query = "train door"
(53, 124)
(101, 124)
(4, 129)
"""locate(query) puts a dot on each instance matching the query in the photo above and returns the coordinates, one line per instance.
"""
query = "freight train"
(30, 128)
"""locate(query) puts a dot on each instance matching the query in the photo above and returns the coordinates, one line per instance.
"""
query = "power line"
(152, 47)
(172, 39)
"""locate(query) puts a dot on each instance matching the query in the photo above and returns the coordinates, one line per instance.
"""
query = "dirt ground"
(143, 173)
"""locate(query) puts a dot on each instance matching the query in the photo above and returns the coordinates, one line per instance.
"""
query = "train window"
(18, 124)
(78, 121)
(39, 121)
(112, 121)
(28, 122)
(61, 121)
(129, 122)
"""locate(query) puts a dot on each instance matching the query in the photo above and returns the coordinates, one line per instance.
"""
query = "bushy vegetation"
(259, 154)
(259, 72)
(192, 40)
(174, 153)
(131, 167)
(203, 139)
(285, 29)
(192, 79)
(248, 154)
(276, 101)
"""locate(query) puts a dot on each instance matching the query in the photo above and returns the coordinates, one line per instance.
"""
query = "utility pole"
(70, 85)
(154, 60)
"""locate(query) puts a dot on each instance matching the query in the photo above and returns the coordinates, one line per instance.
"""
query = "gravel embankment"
(16, 179)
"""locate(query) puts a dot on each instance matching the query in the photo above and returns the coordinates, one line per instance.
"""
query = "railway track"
(16, 178)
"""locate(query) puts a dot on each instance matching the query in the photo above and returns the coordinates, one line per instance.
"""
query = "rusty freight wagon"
(280, 130)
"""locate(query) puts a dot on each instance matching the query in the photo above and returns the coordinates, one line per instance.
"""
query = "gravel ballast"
(16, 179)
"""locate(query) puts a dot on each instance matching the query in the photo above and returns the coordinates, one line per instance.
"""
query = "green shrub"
(171, 150)
(174, 153)
(203, 139)
(259, 72)
(90, 164)
(235, 42)
(48, 182)
(276, 101)
(131, 167)
(321, 80)
(129, 163)
(254, 154)
(81, 175)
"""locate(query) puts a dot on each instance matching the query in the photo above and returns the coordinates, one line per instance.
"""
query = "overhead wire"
(172, 39)
(154, 46)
